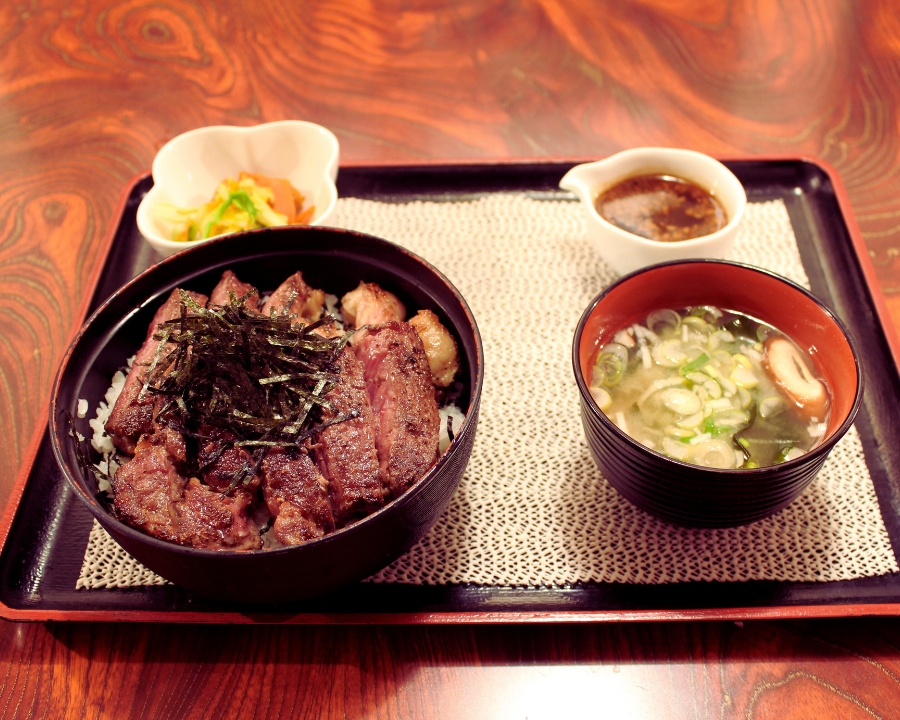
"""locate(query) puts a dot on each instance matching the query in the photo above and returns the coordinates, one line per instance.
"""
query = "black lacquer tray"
(46, 529)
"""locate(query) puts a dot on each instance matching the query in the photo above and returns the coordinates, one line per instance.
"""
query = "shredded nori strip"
(82, 456)
(261, 379)
(450, 428)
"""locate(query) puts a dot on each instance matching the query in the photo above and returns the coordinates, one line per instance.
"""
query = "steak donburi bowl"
(712, 392)
(354, 544)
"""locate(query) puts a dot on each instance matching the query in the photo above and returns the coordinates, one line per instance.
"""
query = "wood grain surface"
(766, 671)
(90, 89)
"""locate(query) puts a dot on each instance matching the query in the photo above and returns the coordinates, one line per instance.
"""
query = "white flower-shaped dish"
(188, 169)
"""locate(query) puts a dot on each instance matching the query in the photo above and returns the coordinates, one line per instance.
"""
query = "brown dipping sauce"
(662, 208)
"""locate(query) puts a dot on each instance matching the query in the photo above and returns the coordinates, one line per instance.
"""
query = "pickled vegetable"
(250, 202)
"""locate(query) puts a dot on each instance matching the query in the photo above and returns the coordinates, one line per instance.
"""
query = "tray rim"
(512, 617)
(809, 611)
(31, 452)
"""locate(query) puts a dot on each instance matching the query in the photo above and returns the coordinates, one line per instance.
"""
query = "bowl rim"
(58, 422)
(692, 243)
(162, 244)
(751, 474)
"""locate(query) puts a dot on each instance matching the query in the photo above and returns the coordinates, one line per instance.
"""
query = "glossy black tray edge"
(42, 556)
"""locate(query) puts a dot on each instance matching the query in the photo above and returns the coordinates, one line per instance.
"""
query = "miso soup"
(711, 387)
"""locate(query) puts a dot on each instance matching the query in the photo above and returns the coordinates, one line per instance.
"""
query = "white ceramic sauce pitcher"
(625, 252)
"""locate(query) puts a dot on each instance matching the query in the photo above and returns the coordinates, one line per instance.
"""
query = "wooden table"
(90, 89)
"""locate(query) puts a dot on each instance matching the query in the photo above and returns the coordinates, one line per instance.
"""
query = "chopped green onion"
(610, 367)
(695, 364)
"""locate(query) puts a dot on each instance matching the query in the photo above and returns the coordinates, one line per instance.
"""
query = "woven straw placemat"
(532, 509)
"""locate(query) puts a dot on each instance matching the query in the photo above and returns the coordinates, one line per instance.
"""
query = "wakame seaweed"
(260, 379)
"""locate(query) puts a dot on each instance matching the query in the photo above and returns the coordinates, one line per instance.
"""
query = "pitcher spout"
(576, 181)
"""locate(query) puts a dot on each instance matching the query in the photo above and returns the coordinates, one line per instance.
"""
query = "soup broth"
(711, 387)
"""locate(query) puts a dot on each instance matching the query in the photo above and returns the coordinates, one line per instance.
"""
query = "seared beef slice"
(297, 496)
(213, 521)
(148, 488)
(153, 496)
(230, 286)
(132, 414)
(221, 463)
(295, 297)
(399, 384)
(345, 451)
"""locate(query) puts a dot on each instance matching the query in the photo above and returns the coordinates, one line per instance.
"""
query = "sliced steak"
(398, 379)
(220, 467)
(295, 297)
(148, 488)
(229, 286)
(132, 415)
(152, 495)
(345, 451)
(297, 496)
(213, 521)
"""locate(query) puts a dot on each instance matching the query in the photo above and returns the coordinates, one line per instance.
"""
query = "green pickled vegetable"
(242, 204)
